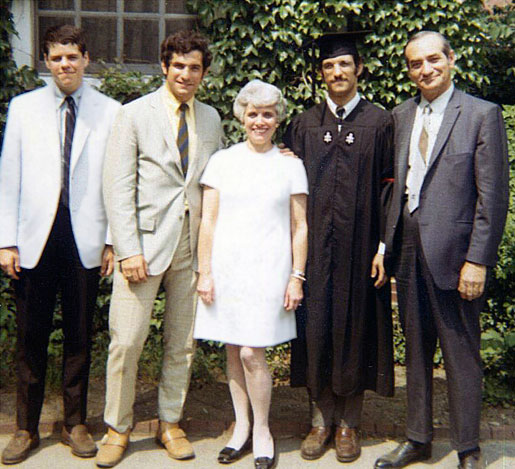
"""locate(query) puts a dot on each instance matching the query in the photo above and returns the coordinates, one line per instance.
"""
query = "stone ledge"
(285, 429)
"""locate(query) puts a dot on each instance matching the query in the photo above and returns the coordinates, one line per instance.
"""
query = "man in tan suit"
(158, 149)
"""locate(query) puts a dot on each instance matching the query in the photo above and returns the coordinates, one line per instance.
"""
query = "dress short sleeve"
(212, 175)
(298, 178)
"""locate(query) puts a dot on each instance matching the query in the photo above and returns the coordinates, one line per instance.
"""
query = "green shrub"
(501, 304)
(498, 321)
(7, 331)
(498, 354)
(14, 81)
(125, 86)
(500, 71)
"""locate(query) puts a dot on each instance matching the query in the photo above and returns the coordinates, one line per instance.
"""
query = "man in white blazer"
(54, 230)
(156, 154)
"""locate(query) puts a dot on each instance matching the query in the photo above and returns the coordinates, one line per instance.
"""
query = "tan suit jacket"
(145, 191)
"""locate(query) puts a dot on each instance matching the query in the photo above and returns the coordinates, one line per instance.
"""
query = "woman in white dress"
(252, 254)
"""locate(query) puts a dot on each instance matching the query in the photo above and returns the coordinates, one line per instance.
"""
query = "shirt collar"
(349, 107)
(439, 104)
(60, 96)
(174, 102)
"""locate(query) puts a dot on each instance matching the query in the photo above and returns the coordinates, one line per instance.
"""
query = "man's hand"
(206, 288)
(378, 271)
(10, 261)
(472, 281)
(107, 261)
(286, 151)
(135, 269)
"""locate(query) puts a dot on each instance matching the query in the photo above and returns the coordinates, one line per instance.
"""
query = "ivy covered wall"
(262, 39)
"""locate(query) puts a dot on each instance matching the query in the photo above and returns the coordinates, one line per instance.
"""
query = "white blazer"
(30, 174)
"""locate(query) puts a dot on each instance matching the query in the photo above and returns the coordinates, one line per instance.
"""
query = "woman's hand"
(293, 295)
(206, 288)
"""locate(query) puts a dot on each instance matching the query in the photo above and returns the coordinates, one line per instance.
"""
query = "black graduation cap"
(333, 45)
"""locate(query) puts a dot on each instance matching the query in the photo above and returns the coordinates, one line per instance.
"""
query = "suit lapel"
(83, 125)
(157, 103)
(201, 128)
(48, 117)
(449, 118)
(407, 118)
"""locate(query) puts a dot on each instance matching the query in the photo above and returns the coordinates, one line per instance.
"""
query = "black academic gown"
(344, 326)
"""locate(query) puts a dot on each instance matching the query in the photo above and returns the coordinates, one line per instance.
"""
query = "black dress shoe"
(472, 461)
(406, 453)
(264, 462)
(230, 455)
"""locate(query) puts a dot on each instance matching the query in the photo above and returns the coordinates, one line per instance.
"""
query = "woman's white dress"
(251, 256)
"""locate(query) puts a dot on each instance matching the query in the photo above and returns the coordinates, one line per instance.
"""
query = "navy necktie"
(68, 140)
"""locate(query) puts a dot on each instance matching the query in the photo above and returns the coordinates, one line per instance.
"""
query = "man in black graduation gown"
(344, 327)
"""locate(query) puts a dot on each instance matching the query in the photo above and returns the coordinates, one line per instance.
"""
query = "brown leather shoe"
(80, 441)
(173, 438)
(112, 448)
(19, 447)
(347, 444)
(314, 445)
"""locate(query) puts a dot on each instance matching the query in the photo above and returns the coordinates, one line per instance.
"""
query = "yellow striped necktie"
(182, 138)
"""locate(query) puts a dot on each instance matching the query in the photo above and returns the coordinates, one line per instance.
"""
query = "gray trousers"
(427, 314)
(332, 409)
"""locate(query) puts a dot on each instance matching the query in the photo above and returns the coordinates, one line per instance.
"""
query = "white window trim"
(26, 50)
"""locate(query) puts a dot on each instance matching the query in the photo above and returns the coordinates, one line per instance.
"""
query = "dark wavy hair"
(183, 42)
(64, 34)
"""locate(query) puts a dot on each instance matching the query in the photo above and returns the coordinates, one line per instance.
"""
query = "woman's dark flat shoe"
(230, 455)
(264, 462)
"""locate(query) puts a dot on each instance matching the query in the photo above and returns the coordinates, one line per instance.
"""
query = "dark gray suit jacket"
(464, 197)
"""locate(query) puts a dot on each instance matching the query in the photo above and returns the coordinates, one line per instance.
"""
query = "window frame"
(120, 15)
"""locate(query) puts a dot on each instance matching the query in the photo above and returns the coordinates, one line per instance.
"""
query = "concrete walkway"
(143, 453)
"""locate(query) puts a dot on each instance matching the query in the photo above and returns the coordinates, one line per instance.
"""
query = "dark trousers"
(332, 409)
(59, 269)
(427, 314)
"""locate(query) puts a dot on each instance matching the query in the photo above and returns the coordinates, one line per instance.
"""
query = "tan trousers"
(129, 322)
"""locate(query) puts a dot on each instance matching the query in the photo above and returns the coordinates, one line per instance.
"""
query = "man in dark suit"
(444, 226)
(53, 232)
